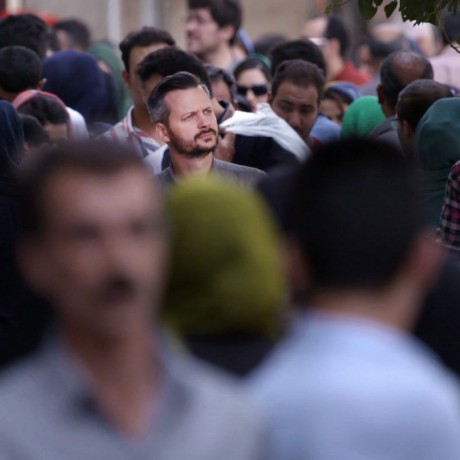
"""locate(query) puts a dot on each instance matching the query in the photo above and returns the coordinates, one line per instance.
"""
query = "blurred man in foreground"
(106, 384)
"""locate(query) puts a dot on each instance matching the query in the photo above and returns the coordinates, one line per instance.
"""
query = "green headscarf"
(362, 117)
(226, 274)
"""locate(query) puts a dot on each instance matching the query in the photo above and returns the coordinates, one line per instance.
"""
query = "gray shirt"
(47, 412)
(243, 175)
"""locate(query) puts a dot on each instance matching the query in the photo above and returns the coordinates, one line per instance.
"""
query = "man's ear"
(334, 46)
(162, 132)
(125, 76)
(380, 94)
(41, 84)
(425, 260)
(295, 265)
(32, 263)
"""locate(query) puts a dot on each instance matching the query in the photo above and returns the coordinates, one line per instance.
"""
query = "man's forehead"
(294, 91)
(186, 100)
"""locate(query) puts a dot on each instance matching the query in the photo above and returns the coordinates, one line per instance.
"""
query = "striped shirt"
(125, 132)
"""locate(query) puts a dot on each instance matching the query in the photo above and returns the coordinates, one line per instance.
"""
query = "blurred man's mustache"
(202, 133)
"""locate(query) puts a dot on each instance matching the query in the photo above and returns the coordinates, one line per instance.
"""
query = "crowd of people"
(238, 250)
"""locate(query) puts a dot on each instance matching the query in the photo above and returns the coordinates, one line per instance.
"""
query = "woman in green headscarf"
(226, 286)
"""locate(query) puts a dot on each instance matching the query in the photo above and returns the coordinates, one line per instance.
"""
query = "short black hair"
(301, 73)
(217, 74)
(417, 97)
(99, 157)
(297, 49)
(78, 32)
(34, 133)
(224, 12)
(355, 212)
(45, 109)
(170, 60)
(451, 27)
(393, 79)
(25, 30)
(20, 69)
(335, 28)
(146, 36)
(158, 108)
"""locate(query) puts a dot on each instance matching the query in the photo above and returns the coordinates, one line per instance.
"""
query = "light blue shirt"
(47, 412)
(341, 388)
(325, 130)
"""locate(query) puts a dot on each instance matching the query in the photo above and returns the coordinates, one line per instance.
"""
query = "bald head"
(398, 70)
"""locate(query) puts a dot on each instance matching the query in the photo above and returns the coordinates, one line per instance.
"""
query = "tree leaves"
(410, 10)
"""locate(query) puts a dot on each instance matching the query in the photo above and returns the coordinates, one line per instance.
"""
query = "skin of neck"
(394, 306)
(185, 166)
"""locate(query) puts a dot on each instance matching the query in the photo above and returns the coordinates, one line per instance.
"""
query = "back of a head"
(77, 33)
(25, 30)
(100, 158)
(224, 12)
(146, 36)
(78, 80)
(20, 69)
(355, 214)
(170, 60)
(34, 133)
(297, 49)
(300, 73)
(401, 68)
(417, 97)
(47, 110)
(225, 273)
(336, 29)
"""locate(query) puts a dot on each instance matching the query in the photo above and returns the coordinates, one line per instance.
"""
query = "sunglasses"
(258, 90)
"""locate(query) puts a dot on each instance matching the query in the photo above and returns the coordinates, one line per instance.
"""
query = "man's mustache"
(202, 133)
(117, 285)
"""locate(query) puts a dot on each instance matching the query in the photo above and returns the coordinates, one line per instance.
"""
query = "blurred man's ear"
(41, 84)
(424, 260)
(295, 266)
(162, 132)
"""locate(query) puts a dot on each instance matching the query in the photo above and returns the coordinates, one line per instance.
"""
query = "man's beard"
(191, 149)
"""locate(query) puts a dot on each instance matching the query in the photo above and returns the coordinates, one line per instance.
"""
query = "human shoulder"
(244, 174)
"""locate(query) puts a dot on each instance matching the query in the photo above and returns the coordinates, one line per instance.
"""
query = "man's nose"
(203, 121)
(295, 120)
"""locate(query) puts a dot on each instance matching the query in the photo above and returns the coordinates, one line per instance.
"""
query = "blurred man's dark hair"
(170, 60)
(25, 30)
(146, 36)
(354, 213)
(300, 73)
(336, 29)
(297, 49)
(20, 69)
(417, 97)
(98, 157)
(224, 12)
(77, 32)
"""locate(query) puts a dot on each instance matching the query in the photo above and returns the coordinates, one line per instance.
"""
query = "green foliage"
(410, 10)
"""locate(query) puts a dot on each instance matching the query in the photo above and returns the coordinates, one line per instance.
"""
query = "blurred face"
(192, 126)
(332, 109)
(138, 53)
(298, 105)
(56, 132)
(203, 33)
(101, 255)
(221, 91)
(253, 85)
